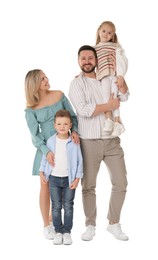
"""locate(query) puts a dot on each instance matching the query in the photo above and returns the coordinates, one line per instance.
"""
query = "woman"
(41, 106)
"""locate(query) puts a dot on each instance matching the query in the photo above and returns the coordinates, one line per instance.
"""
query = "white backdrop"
(47, 34)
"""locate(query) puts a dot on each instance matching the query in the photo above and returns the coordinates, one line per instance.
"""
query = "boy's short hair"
(63, 113)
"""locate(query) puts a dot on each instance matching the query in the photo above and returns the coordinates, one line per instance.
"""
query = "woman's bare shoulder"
(55, 95)
(58, 93)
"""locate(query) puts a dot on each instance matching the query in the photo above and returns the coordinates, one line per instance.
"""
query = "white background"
(47, 34)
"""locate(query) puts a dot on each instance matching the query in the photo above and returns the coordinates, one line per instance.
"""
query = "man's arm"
(112, 104)
(123, 87)
(85, 109)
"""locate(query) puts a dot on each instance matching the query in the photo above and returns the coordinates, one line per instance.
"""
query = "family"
(71, 144)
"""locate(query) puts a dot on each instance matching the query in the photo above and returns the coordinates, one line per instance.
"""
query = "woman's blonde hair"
(32, 83)
(114, 38)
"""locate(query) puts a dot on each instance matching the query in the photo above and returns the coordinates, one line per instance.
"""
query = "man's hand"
(121, 84)
(113, 103)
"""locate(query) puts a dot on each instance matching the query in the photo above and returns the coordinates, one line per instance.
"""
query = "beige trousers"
(95, 151)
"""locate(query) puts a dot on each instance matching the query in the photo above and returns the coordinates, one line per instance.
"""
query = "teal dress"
(41, 125)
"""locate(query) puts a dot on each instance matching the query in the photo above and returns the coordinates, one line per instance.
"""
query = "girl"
(112, 61)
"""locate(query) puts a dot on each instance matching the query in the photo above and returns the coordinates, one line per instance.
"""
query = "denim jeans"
(62, 197)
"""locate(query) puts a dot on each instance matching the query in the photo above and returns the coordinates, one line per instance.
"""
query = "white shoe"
(67, 240)
(118, 129)
(108, 126)
(116, 231)
(89, 234)
(58, 239)
(49, 232)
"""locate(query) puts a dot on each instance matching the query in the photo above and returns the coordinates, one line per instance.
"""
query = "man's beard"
(88, 70)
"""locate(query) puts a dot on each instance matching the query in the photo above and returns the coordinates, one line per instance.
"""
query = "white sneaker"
(89, 234)
(118, 129)
(58, 239)
(67, 240)
(49, 232)
(116, 231)
(108, 126)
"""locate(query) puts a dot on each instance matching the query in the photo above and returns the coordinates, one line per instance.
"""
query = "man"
(86, 95)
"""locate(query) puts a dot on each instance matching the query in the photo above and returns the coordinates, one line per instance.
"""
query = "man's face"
(87, 61)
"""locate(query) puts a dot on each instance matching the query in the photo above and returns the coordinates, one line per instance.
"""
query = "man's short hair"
(87, 48)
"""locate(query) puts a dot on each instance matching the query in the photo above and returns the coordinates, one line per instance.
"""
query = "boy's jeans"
(61, 197)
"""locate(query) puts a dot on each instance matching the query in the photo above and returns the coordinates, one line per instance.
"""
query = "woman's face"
(44, 82)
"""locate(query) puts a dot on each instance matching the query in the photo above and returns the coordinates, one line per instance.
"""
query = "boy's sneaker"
(49, 232)
(58, 239)
(116, 231)
(89, 234)
(67, 240)
(108, 126)
(118, 129)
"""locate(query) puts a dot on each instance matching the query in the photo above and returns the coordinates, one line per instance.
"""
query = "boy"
(64, 176)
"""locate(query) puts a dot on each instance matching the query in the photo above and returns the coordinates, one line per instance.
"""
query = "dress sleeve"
(37, 138)
(68, 106)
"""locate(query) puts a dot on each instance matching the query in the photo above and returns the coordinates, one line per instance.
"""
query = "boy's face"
(62, 125)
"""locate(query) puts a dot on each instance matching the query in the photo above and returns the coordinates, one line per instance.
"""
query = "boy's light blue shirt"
(74, 157)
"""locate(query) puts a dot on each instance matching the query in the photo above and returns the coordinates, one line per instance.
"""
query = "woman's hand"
(75, 137)
(50, 158)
